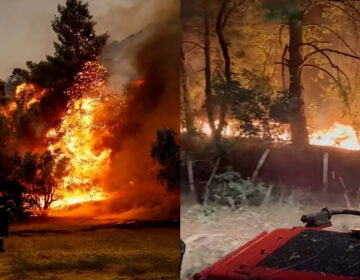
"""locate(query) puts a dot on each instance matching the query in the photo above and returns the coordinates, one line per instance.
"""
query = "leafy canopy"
(77, 44)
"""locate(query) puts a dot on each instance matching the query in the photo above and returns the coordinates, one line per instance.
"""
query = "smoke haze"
(26, 33)
(143, 44)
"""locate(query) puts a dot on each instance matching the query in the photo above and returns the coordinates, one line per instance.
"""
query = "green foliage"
(166, 151)
(230, 189)
(280, 109)
(249, 100)
(2, 88)
(38, 175)
(283, 10)
(9, 184)
(209, 209)
(256, 105)
(41, 175)
(18, 76)
(77, 44)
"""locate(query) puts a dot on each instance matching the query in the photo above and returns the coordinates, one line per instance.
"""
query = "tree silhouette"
(166, 152)
(77, 44)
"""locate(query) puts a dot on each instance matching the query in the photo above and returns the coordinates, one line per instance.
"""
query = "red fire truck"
(312, 252)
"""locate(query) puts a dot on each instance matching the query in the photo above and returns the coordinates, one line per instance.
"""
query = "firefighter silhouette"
(5, 215)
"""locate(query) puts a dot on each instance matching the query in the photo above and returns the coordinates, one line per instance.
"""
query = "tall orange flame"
(86, 166)
(76, 138)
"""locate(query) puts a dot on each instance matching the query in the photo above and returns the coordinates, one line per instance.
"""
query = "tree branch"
(234, 7)
(319, 42)
(282, 64)
(341, 53)
(322, 51)
(335, 33)
(194, 43)
(267, 55)
(280, 34)
(337, 82)
(331, 4)
(324, 70)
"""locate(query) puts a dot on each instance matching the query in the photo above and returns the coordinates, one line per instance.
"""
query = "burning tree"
(206, 28)
(239, 46)
(199, 11)
(293, 15)
(166, 152)
(62, 105)
(41, 174)
(42, 96)
(77, 44)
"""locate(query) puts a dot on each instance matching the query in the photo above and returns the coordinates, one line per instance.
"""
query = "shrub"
(230, 189)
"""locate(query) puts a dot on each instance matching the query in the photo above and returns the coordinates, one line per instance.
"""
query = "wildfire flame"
(76, 138)
(338, 135)
(25, 95)
(86, 165)
(227, 131)
(89, 117)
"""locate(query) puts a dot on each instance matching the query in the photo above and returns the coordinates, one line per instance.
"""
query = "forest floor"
(209, 238)
(59, 249)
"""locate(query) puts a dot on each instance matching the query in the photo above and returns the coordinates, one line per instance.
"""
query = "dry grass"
(107, 254)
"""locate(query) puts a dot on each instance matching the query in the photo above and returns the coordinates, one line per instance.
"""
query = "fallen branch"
(348, 204)
(260, 164)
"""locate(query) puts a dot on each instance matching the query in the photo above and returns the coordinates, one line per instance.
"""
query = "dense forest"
(260, 64)
(268, 72)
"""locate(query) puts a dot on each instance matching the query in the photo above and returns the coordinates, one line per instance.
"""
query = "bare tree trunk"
(225, 52)
(298, 126)
(209, 181)
(46, 202)
(189, 119)
(189, 163)
(208, 90)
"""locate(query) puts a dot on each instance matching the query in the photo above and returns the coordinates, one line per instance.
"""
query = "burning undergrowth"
(105, 133)
(338, 135)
